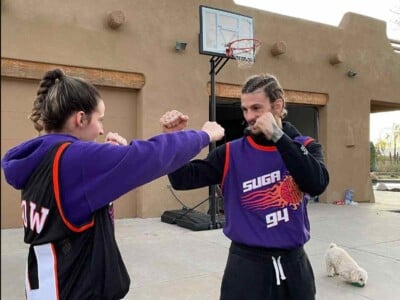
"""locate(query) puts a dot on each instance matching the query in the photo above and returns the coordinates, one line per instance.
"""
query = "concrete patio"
(169, 262)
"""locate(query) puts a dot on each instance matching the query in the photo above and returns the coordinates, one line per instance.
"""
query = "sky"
(382, 124)
(331, 12)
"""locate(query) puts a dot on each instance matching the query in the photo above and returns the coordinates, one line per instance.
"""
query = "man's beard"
(258, 137)
(248, 131)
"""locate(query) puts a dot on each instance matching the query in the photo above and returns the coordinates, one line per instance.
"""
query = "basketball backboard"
(219, 27)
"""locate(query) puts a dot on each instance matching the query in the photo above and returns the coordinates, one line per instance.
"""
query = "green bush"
(384, 164)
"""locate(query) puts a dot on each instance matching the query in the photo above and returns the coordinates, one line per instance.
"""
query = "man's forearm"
(305, 165)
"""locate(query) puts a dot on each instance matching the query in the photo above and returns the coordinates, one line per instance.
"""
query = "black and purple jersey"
(263, 205)
(67, 261)
(67, 187)
(264, 186)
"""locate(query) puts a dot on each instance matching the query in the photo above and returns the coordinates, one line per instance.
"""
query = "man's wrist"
(277, 134)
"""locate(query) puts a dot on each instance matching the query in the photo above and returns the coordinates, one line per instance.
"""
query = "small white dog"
(339, 262)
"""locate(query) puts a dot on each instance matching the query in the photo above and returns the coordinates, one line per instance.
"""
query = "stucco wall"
(76, 33)
(16, 100)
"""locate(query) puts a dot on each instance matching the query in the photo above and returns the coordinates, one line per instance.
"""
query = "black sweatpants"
(253, 273)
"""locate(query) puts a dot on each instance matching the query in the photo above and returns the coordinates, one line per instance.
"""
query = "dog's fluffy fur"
(339, 262)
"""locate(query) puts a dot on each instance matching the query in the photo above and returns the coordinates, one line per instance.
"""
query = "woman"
(68, 183)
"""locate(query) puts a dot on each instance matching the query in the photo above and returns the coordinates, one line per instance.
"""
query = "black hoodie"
(305, 165)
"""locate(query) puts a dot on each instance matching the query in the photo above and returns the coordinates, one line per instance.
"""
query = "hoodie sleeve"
(93, 175)
(200, 172)
(305, 163)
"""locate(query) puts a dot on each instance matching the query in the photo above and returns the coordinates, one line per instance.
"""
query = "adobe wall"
(76, 33)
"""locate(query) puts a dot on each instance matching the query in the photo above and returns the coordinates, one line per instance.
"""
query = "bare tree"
(396, 138)
(395, 10)
(394, 21)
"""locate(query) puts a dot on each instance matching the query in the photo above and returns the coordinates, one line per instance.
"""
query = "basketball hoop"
(244, 51)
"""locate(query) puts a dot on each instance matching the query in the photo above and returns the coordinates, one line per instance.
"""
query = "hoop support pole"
(214, 69)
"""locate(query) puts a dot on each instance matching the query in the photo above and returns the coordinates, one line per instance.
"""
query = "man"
(266, 177)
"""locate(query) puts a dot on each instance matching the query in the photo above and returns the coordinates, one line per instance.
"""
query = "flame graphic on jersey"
(285, 193)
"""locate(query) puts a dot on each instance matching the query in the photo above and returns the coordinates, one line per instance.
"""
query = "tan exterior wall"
(75, 33)
(17, 96)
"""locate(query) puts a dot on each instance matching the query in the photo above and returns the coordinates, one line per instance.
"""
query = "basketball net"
(244, 51)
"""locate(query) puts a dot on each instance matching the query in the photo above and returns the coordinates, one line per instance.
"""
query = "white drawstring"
(278, 270)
